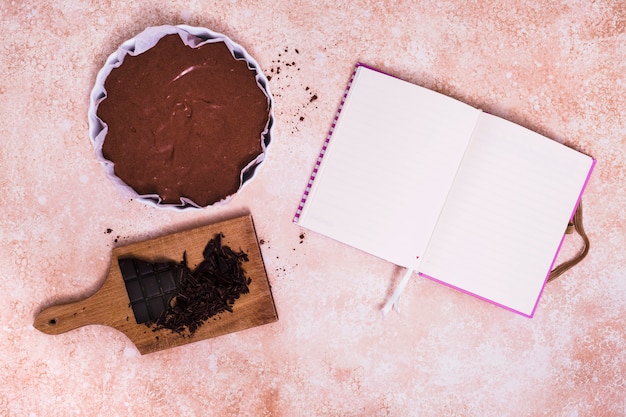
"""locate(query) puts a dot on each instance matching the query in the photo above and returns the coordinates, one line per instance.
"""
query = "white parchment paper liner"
(194, 37)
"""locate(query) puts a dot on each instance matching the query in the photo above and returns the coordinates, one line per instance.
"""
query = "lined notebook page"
(388, 167)
(506, 214)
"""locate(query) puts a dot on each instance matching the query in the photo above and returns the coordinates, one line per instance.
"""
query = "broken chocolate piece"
(150, 287)
(169, 295)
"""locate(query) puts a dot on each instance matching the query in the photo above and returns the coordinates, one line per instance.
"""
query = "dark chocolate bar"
(150, 286)
(170, 295)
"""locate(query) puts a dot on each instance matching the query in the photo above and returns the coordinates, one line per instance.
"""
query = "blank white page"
(390, 162)
(506, 214)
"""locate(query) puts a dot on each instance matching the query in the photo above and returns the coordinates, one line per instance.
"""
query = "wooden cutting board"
(110, 305)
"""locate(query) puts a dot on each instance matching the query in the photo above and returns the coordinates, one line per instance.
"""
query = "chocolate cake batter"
(182, 121)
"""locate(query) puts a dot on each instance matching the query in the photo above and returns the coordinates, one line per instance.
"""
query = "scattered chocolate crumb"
(282, 74)
(109, 230)
(262, 242)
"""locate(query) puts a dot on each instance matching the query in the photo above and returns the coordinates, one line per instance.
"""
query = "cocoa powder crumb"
(281, 73)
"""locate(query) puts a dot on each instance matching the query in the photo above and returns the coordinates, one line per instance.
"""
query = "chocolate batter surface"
(182, 121)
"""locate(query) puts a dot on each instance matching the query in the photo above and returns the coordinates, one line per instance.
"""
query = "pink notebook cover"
(321, 157)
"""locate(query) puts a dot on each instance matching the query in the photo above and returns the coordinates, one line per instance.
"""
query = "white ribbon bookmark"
(394, 301)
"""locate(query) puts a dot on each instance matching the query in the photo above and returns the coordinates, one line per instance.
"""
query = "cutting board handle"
(65, 317)
(99, 308)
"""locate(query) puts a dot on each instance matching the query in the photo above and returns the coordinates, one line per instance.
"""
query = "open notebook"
(439, 187)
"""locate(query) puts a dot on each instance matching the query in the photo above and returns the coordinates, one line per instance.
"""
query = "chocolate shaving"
(212, 288)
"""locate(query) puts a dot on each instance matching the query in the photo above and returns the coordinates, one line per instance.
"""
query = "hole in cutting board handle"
(52, 322)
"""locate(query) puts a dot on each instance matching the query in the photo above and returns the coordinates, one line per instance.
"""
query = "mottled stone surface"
(557, 68)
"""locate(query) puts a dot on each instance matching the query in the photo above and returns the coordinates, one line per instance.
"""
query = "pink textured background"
(555, 67)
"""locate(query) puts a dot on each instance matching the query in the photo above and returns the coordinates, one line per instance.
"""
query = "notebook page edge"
(301, 210)
(556, 254)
